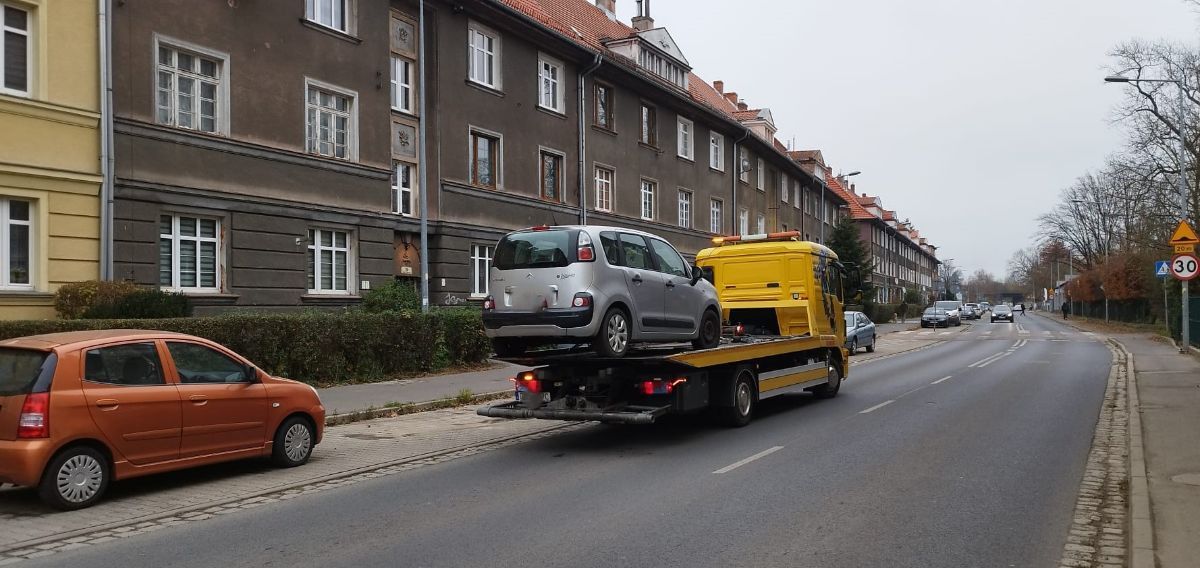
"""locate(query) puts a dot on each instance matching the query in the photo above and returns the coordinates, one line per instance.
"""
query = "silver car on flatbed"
(609, 286)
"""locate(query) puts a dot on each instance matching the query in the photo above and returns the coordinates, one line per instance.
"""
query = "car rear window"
(534, 249)
(20, 369)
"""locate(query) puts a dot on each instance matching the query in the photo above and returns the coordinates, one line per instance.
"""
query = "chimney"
(742, 105)
(643, 21)
(609, 6)
(719, 86)
(852, 188)
(731, 97)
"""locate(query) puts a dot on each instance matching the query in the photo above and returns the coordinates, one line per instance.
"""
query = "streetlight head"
(1117, 79)
(853, 173)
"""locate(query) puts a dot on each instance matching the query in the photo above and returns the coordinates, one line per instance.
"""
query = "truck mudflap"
(623, 415)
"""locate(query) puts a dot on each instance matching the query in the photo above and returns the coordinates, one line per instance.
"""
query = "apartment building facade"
(50, 166)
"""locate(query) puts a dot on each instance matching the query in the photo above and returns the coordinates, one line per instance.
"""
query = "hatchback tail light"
(489, 304)
(582, 300)
(35, 416)
(586, 252)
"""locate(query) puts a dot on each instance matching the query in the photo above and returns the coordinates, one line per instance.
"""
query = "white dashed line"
(877, 407)
(1002, 355)
(741, 463)
(942, 380)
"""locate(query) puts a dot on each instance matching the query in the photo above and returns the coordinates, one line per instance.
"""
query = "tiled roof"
(751, 114)
(857, 212)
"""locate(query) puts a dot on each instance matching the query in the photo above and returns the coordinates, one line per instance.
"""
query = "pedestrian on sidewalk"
(1066, 309)
(902, 309)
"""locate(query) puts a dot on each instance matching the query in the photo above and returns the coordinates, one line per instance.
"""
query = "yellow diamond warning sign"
(1184, 235)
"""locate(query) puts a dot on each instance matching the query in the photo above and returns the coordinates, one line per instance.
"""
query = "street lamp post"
(1183, 189)
(1105, 244)
(824, 189)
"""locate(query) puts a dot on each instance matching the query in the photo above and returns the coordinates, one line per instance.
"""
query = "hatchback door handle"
(198, 399)
(107, 403)
(670, 284)
(637, 278)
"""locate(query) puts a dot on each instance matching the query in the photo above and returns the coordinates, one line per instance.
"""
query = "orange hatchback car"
(80, 409)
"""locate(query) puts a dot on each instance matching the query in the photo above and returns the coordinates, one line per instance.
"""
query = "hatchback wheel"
(75, 478)
(293, 442)
(710, 331)
(613, 338)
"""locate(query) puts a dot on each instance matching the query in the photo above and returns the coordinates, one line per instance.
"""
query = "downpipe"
(596, 61)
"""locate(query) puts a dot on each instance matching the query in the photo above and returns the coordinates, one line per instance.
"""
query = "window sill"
(716, 170)
(330, 31)
(650, 147)
(405, 113)
(311, 298)
(685, 159)
(551, 112)
(604, 130)
(485, 88)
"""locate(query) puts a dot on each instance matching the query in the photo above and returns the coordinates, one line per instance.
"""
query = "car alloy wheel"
(617, 332)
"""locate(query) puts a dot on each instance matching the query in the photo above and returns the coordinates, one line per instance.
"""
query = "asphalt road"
(968, 453)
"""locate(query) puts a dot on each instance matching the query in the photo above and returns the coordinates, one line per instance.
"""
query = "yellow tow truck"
(783, 331)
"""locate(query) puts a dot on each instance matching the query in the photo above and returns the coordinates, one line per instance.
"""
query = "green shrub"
(882, 313)
(316, 347)
(142, 303)
(73, 300)
(395, 296)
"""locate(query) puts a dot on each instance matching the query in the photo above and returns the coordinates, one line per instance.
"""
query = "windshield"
(948, 305)
(1002, 309)
(935, 312)
(534, 249)
(19, 370)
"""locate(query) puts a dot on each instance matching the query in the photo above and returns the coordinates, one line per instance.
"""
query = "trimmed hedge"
(318, 347)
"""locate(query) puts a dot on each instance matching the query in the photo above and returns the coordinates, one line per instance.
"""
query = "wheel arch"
(91, 443)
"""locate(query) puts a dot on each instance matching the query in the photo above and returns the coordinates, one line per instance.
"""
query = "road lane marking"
(877, 407)
(942, 380)
(987, 332)
(945, 333)
(986, 360)
(1002, 355)
(741, 463)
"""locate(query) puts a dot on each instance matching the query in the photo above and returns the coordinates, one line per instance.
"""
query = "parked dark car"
(935, 317)
(860, 332)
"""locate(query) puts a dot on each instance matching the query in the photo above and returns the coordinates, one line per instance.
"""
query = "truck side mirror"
(697, 274)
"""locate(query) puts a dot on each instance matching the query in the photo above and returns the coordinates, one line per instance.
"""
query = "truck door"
(645, 284)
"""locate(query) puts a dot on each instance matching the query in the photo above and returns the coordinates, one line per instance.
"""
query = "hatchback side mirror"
(697, 274)
(251, 374)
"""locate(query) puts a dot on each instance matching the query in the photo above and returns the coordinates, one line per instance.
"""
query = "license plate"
(523, 395)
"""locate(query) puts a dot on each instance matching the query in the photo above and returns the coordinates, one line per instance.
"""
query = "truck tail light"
(582, 300)
(586, 252)
(529, 381)
(661, 386)
(35, 416)
(489, 304)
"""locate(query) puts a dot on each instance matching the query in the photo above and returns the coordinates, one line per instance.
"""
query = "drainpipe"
(737, 175)
(424, 169)
(106, 141)
(596, 61)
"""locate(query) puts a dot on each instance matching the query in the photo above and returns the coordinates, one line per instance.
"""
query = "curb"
(411, 408)
(1141, 534)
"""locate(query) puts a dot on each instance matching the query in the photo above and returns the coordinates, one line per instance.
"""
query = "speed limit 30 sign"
(1184, 266)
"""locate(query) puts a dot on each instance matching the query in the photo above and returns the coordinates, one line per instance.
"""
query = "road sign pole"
(1184, 331)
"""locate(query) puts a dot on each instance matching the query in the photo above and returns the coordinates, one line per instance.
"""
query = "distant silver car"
(605, 285)
(860, 332)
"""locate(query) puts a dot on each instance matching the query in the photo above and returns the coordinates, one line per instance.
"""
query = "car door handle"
(670, 284)
(107, 403)
(198, 399)
(637, 278)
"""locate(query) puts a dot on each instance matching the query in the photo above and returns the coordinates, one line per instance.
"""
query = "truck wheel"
(831, 388)
(744, 400)
(613, 338)
(709, 335)
(508, 347)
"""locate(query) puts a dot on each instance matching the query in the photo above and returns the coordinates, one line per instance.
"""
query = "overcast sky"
(966, 116)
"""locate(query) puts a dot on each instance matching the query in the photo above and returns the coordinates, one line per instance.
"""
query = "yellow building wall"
(50, 151)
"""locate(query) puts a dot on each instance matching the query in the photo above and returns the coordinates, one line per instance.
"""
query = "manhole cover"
(1188, 478)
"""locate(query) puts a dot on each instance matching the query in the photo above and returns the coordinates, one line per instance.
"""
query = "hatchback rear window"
(20, 370)
(534, 249)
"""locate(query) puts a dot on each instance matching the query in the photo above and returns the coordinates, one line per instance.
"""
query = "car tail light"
(529, 381)
(489, 304)
(582, 300)
(35, 416)
(586, 252)
(661, 386)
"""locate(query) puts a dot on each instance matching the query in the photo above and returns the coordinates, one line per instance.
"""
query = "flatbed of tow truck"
(658, 380)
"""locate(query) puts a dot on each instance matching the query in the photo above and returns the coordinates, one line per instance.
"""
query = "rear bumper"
(22, 461)
(544, 323)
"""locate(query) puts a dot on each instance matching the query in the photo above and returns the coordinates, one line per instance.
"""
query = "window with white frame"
(762, 175)
(550, 88)
(686, 148)
(189, 253)
(189, 89)
(481, 265)
(649, 188)
(330, 122)
(685, 209)
(797, 192)
(743, 166)
(328, 261)
(483, 49)
(743, 222)
(404, 188)
(783, 187)
(716, 151)
(403, 94)
(335, 14)
(760, 224)
(15, 50)
(604, 188)
(716, 214)
(16, 244)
